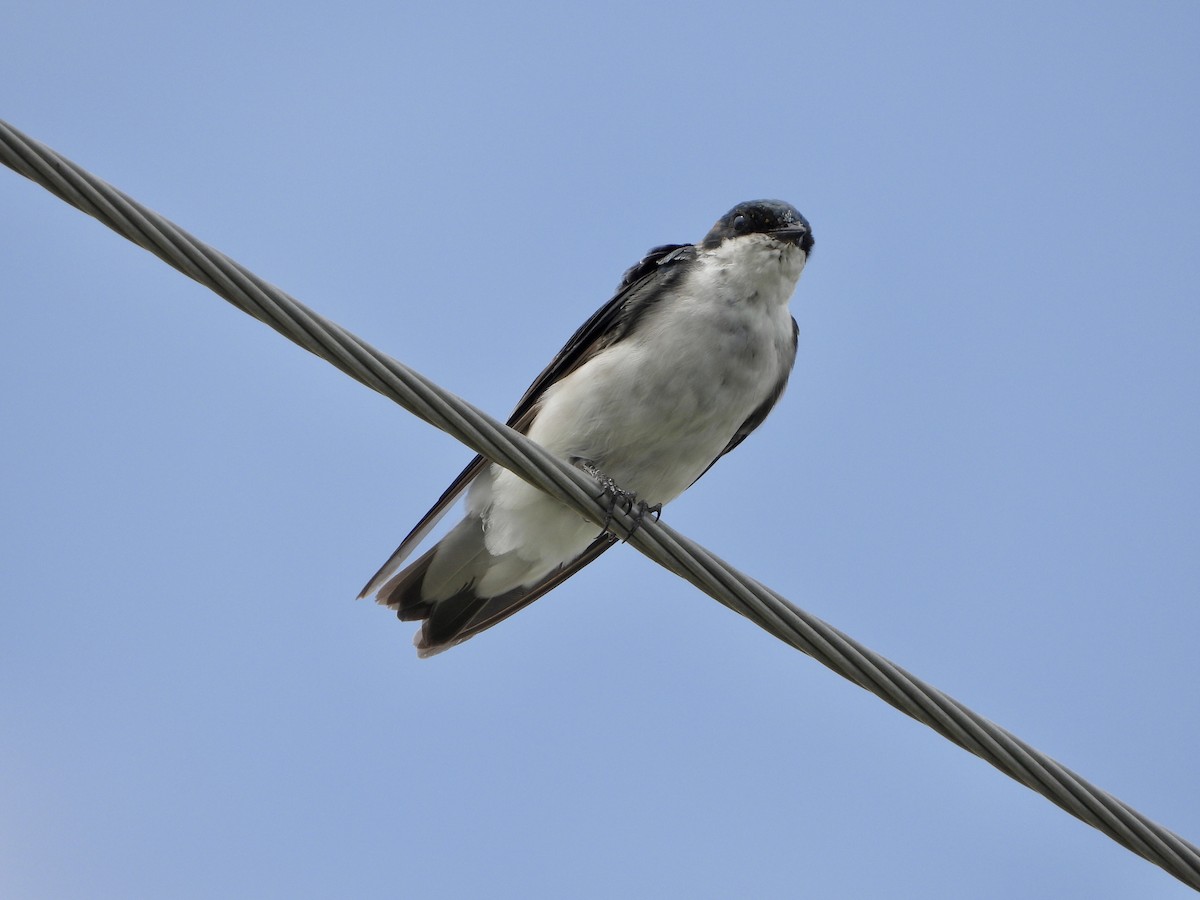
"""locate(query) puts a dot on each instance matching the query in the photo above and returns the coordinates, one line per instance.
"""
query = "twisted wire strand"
(657, 540)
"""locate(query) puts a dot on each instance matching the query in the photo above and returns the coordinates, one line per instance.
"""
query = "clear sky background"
(985, 466)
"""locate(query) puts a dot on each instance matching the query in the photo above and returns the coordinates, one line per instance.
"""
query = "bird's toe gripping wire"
(614, 498)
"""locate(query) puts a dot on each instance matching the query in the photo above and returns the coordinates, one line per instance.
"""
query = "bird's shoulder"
(641, 285)
(656, 257)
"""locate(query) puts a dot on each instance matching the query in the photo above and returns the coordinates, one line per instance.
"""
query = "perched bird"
(686, 360)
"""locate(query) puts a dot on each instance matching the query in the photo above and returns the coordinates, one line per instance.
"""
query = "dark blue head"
(780, 220)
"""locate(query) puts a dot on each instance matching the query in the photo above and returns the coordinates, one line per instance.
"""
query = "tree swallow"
(686, 359)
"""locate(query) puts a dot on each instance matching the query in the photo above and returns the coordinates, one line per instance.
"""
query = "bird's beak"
(797, 234)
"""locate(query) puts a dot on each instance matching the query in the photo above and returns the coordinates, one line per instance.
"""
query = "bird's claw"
(627, 501)
(640, 513)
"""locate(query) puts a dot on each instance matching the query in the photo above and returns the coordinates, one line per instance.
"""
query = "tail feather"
(451, 615)
(403, 592)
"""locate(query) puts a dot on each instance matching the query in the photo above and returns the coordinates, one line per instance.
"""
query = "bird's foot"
(616, 498)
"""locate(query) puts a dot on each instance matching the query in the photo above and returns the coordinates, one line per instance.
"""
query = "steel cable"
(656, 540)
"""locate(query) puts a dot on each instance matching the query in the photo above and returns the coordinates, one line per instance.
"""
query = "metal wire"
(656, 540)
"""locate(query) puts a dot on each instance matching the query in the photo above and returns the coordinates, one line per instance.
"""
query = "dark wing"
(761, 412)
(426, 525)
(641, 285)
(643, 282)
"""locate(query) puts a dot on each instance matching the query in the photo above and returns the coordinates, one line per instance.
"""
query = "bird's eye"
(740, 222)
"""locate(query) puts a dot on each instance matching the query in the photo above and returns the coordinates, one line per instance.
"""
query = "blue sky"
(984, 467)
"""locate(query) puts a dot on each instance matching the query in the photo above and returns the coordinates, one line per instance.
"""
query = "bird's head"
(773, 218)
